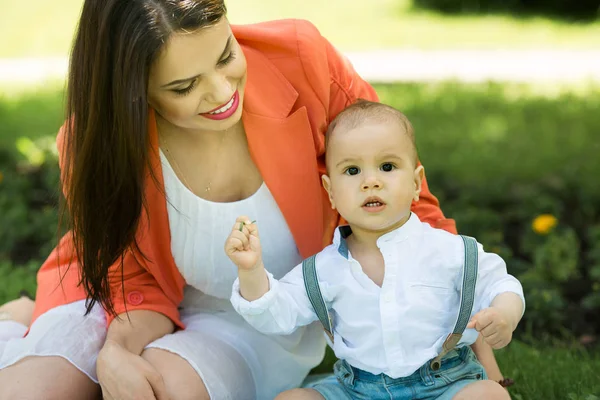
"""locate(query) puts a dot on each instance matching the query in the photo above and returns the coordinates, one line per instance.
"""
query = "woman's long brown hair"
(106, 142)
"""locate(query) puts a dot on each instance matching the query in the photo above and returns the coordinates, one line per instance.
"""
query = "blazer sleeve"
(132, 286)
(346, 87)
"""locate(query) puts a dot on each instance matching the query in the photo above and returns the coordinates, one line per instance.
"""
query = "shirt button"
(387, 298)
(135, 298)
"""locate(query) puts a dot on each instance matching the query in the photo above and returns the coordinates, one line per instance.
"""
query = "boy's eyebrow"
(391, 155)
(345, 160)
(179, 81)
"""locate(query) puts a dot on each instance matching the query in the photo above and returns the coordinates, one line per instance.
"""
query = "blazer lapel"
(282, 147)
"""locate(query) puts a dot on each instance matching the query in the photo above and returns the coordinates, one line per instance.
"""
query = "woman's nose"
(219, 90)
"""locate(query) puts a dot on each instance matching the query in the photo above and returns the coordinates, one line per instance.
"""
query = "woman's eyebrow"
(179, 81)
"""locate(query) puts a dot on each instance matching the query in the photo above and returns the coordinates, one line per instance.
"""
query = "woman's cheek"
(177, 110)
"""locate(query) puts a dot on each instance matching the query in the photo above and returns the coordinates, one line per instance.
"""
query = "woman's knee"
(19, 310)
(483, 390)
(181, 380)
(299, 394)
(51, 378)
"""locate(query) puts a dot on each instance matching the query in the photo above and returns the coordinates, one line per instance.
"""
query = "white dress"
(234, 361)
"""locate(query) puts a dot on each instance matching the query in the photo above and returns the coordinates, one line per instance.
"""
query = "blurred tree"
(568, 9)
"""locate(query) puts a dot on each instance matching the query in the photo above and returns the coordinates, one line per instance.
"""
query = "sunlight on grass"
(38, 28)
(350, 25)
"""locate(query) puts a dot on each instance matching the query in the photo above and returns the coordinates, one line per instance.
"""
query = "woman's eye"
(227, 60)
(352, 171)
(186, 90)
(387, 167)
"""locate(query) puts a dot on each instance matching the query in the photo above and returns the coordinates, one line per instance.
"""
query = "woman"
(179, 122)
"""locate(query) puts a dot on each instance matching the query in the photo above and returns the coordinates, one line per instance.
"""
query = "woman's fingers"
(158, 385)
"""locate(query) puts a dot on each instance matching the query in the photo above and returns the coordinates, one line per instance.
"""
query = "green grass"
(32, 113)
(541, 371)
(46, 28)
(560, 372)
(501, 127)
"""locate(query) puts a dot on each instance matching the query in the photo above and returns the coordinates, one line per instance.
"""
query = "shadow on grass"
(573, 12)
(496, 156)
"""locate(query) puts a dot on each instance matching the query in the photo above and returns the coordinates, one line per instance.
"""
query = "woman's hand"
(243, 245)
(127, 376)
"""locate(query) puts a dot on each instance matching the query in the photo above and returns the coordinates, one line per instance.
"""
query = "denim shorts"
(459, 368)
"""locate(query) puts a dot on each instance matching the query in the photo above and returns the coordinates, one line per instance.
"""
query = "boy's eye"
(387, 167)
(352, 171)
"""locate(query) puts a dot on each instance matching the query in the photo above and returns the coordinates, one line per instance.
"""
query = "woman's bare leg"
(482, 390)
(52, 378)
(20, 310)
(181, 380)
(48, 378)
(299, 394)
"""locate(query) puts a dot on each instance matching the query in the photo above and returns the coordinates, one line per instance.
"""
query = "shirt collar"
(411, 228)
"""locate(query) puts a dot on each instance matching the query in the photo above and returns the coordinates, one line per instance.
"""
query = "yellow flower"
(543, 224)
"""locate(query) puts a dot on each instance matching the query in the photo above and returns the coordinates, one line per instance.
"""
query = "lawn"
(496, 140)
(46, 29)
(541, 370)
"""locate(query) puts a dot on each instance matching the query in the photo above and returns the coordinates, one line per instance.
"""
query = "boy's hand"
(243, 244)
(494, 326)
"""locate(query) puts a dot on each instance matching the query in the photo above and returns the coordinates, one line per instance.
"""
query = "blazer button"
(135, 298)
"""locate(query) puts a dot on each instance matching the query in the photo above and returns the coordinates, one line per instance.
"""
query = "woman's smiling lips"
(224, 111)
(373, 204)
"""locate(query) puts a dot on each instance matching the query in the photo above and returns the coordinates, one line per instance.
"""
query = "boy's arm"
(499, 301)
(493, 280)
(253, 283)
(270, 306)
(511, 306)
(281, 309)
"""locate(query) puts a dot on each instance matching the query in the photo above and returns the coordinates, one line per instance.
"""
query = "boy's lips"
(373, 204)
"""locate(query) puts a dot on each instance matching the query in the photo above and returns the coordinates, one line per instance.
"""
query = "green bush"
(28, 200)
(496, 156)
(586, 9)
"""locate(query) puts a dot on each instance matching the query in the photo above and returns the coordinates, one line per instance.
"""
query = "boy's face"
(372, 179)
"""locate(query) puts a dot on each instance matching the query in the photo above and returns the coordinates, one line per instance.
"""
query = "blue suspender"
(467, 298)
(311, 283)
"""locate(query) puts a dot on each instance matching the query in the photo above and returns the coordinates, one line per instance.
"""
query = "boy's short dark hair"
(365, 110)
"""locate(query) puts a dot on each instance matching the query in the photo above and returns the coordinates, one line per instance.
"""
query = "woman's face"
(198, 80)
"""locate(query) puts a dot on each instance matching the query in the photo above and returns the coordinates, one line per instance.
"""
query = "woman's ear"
(419, 175)
(327, 185)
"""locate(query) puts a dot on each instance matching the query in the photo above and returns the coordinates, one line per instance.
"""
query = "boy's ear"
(418, 177)
(327, 185)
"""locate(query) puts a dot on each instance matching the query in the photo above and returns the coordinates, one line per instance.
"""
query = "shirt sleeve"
(283, 309)
(493, 279)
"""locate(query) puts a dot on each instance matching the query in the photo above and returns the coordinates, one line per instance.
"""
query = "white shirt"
(199, 229)
(392, 329)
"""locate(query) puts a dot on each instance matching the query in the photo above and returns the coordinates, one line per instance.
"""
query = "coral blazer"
(297, 83)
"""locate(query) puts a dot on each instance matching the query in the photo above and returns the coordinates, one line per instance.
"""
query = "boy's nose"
(371, 183)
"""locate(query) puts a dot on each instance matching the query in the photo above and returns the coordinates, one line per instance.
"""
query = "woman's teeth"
(373, 204)
(224, 108)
